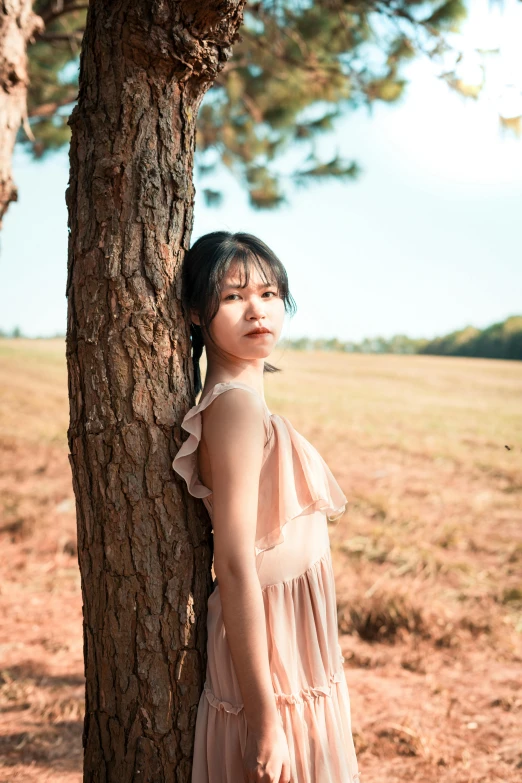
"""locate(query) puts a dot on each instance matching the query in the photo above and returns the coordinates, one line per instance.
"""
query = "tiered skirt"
(310, 688)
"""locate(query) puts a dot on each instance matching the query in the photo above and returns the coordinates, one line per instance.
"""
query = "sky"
(427, 240)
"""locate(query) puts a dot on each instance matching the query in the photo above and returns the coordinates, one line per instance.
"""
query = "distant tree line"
(502, 340)
(16, 332)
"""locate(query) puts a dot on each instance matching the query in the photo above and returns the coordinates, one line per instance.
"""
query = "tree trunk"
(18, 24)
(143, 542)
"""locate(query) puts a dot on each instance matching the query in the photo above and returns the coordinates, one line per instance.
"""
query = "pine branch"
(46, 109)
(74, 34)
(53, 9)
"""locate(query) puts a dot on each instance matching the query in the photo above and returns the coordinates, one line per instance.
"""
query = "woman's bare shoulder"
(237, 412)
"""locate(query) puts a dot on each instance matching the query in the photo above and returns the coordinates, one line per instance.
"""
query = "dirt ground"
(428, 559)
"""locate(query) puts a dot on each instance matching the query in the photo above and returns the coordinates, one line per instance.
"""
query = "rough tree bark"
(143, 542)
(18, 24)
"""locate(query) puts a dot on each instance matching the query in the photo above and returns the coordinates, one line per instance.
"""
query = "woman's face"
(242, 310)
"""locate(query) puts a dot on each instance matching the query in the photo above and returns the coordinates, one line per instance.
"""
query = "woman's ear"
(194, 317)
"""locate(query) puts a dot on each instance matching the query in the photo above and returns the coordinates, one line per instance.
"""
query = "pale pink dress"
(297, 494)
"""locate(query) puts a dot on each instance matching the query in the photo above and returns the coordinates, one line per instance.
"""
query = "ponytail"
(197, 349)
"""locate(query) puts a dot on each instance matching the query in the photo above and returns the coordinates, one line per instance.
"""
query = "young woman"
(275, 706)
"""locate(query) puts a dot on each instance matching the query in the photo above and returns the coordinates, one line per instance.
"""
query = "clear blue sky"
(427, 240)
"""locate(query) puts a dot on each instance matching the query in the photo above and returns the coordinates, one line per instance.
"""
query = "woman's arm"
(235, 436)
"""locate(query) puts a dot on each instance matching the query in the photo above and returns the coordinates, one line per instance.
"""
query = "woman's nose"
(256, 307)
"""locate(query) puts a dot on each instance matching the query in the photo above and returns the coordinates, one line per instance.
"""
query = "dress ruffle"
(304, 695)
(294, 480)
(185, 461)
(303, 644)
(319, 736)
(310, 689)
(294, 477)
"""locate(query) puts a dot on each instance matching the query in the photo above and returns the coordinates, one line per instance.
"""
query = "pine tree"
(297, 67)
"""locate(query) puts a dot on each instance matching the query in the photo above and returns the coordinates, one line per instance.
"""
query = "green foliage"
(314, 58)
(397, 344)
(449, 15)
(502, 340)
(295, 69)
(51, 94)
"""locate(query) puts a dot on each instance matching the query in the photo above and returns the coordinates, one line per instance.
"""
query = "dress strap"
(185, 461)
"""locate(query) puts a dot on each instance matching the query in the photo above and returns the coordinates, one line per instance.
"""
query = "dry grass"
(428, 558)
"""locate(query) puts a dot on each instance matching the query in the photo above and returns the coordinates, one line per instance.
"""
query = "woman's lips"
(258, 334)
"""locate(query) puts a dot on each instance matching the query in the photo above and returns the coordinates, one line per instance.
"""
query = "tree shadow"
(41, 719)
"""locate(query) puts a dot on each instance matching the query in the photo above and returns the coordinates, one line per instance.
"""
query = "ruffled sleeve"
(185, 461)
(294, 479)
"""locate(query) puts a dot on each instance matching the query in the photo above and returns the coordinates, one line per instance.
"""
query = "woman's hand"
(266, 758)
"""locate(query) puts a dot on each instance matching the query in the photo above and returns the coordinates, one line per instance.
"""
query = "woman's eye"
(274, 293)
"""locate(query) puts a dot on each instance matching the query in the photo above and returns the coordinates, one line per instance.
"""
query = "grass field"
(428, 558)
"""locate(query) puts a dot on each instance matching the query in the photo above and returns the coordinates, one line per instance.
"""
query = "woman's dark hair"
(204, 267)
